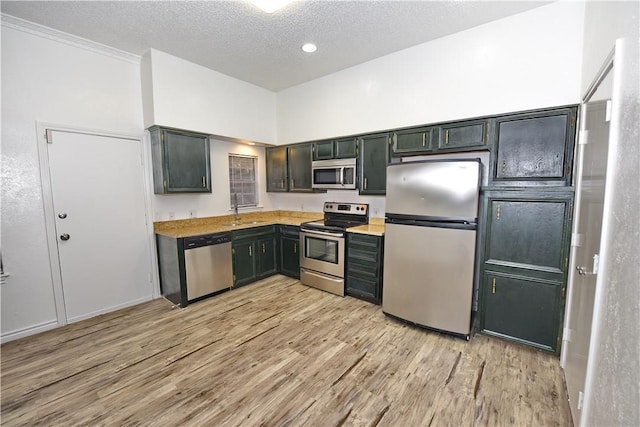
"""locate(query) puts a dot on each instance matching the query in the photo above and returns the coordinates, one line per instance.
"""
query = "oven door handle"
(322, 233)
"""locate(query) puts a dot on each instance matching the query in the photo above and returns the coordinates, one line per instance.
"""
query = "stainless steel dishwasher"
(208, 264)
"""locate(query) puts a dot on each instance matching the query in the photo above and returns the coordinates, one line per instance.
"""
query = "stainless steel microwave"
(334, 174)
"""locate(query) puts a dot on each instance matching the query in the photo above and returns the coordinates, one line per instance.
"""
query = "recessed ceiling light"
(271, 6)
(309, 47)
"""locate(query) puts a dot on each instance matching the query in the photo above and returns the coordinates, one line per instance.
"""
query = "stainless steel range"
(323, 245)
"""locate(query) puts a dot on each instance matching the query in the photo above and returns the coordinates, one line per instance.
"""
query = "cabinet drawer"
(362, 256)
(368, 290)
(369, 270)
(254, 232)
(289, 231)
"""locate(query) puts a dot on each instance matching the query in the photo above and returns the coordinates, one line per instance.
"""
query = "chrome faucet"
(235, 207)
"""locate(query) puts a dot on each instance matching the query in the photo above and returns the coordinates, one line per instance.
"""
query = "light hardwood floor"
(273, 353)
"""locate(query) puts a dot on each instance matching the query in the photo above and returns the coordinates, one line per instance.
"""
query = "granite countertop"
(375, 227)
(218, 224)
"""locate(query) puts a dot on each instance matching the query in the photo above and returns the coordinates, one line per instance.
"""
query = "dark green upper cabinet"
(322, 150)
(299, 168)
(471, 134)
(534, 148)
(181, 161)
(374, 156)
(346, 148)
(276, 158)
(414, 141)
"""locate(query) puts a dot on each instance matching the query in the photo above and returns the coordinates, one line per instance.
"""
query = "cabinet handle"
(424, 139)
(493, 286)
(250, 251)
(292, 183)
(165, 184)
(446, 137)
(498, 211)
(504, 167)
(295, 248)
(365, 183)
(204, 182)
(263, 248)
(486, 139)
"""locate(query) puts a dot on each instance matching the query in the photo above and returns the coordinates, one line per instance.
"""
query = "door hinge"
(48, 136)
(233, 251)
(583, 137)
(493, 285)
(580, 400)
(564, 292)
(498, 211)
(566, 262)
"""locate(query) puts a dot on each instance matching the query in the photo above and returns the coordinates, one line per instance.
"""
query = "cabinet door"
(323, 150)
(266, 248)
(244, 261)
(374, 156)
(534, 149)
(528, 232)
(181, 162)
(413, 141)
(471, 134)
(346, 148)
(276, 159)
(299, 168)
(290, 256)
(522, 309)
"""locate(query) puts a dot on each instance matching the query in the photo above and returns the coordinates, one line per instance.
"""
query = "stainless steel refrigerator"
(430, 242)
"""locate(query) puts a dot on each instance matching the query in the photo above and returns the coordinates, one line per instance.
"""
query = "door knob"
(65, 236)
(62, 215)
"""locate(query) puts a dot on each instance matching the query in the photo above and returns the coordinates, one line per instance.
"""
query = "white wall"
(218, 201)
(614, 365)
(45, 80)
(192, 97)
(526, 61)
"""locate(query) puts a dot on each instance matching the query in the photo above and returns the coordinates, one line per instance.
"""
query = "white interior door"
(100, 221)
(587, 231)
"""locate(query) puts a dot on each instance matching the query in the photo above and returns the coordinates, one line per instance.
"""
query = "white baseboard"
(30, 330)
(35, 329)
(109, 309)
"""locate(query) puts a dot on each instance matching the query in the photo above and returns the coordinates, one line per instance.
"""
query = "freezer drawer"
(428, 276)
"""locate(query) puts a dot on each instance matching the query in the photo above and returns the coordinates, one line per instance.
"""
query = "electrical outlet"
(193, 214)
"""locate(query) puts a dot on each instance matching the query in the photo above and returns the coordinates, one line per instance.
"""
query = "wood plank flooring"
(274, 353)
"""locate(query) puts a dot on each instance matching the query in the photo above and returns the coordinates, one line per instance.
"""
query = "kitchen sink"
(235, 224)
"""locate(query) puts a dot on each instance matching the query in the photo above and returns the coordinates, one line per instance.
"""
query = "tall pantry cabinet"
(527, 210)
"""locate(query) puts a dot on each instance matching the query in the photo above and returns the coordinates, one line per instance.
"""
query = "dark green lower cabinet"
(267, 262)
(254, 254)
(364, 267)
(522, 309)
(244, 262)
(289, 251)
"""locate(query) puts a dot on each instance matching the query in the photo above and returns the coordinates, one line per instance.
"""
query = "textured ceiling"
(237, 39)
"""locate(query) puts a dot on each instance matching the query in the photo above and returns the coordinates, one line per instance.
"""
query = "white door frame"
(613, 63)
(49, 212)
